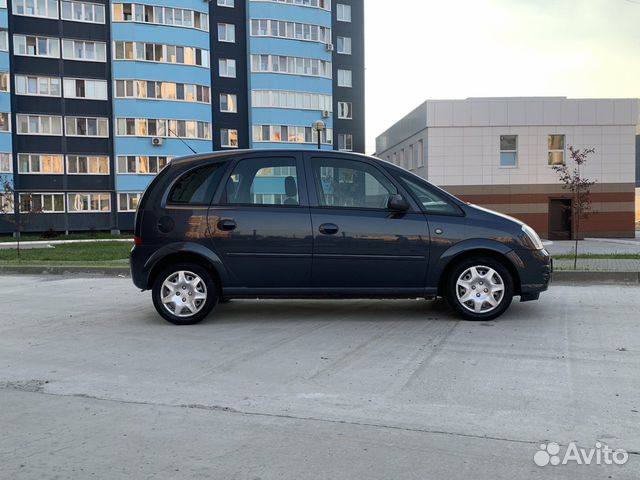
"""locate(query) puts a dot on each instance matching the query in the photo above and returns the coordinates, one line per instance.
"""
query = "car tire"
(479, 288)
(185, 293)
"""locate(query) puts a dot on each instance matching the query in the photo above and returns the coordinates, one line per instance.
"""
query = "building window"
(228, 138)
(292, 100)
(343, 12)
(290, 134)
(345, 142)
(89, 202)
(227, 67)
(508, 151)
(155, 90)
(345, 110)
(39, 125)
(344, 45)
(4, 41)
(86, 127)
(40, 164)
(312, 67)
(37, 86)
(155, 52)
(6, 204)
(556, 149)
(294, 31)
(31, 46)
(228, 103)
(152, 127)
(410, 158)
(4, 82)
(141, 165)
(87, 165)
(42, 202)
(345, 78)
(419, 155)
(226, 3)
(82, 11)
(323, 4)
(89, 89)
(128, 202)
(159, 15)
(83, 50)
(5, 122)
(36, 8)
(6, 163)
(226, 32)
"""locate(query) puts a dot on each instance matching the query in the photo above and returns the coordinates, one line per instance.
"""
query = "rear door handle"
(329, 228)
(227, 225)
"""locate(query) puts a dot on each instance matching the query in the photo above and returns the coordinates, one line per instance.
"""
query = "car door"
(260, 223)
(360, 245)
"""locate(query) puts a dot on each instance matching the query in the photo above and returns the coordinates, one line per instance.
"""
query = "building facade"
(499, 153)
(96, 97)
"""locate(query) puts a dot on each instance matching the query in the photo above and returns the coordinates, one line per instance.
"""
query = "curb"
(578, 276)
(559, 277)
(54, 270)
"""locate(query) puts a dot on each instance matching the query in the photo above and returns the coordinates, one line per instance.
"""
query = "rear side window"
(196, 187)
(264, 181)
(430, 200)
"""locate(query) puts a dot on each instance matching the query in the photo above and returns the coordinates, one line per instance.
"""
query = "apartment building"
(499, 153)
(96, 97)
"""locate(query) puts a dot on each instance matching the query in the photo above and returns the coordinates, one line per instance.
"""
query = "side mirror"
(398, 203)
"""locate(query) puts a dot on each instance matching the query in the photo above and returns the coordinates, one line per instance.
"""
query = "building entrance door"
(560, 219)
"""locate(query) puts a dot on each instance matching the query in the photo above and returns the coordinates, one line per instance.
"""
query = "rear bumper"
(138, 261)
(536, 271)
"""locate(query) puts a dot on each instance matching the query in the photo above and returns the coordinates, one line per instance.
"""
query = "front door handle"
(329, 228)
(227, 225)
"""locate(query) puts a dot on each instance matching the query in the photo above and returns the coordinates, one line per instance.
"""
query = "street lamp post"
(319, 126)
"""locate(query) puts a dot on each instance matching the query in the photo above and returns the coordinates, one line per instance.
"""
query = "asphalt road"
(93, 384)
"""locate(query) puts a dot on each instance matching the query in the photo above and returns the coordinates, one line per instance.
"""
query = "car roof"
(225, 154)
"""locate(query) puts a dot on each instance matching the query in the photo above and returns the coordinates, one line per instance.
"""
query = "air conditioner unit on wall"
(329, 47)
(157, 141)
(326, 114)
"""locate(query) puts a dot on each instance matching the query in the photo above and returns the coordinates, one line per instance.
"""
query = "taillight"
(137, 241)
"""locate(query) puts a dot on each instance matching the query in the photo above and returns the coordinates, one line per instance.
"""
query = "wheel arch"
(186, 253)
(503, 255)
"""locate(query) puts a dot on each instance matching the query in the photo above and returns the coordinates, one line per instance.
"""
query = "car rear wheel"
(184, 294)
(479, 288)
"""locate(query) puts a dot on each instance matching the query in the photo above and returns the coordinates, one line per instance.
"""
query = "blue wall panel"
(141, 32)
(291, 13)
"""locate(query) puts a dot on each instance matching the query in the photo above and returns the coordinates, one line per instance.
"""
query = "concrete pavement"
(93, 384)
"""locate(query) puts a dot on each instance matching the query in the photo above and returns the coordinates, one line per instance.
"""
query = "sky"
(448, 49)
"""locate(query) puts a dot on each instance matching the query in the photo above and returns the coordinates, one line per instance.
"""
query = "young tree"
(18, 217)
(580, 189)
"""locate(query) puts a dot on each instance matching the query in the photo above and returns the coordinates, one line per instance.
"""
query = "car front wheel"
(479, 288)
(184, 294)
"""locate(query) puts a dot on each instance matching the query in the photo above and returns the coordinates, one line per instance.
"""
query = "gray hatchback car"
(321, 224)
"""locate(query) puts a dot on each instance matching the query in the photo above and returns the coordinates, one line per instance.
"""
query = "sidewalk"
(26, 245)
(598, 265)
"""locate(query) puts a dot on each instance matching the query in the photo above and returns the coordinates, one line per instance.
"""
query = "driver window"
(430, 201)
(351, 184)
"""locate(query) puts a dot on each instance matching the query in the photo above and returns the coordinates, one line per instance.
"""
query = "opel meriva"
(323, 224)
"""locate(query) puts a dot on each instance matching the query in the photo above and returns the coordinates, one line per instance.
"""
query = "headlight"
(533, 237)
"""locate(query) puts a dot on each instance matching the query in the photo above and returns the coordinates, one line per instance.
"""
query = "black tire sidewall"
(212, 293)
(459, 268)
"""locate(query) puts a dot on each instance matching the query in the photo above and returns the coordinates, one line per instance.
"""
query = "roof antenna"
(180, 138)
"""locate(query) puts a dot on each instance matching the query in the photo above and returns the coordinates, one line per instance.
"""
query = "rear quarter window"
(196, 187)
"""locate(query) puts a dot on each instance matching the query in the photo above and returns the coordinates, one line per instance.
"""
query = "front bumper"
(536, 271)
